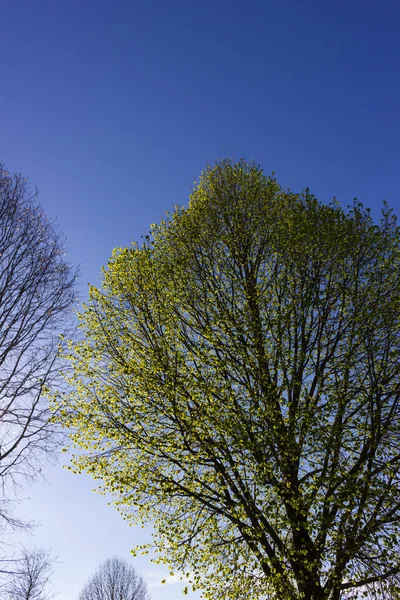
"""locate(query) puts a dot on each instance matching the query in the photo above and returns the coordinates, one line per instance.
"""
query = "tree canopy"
(37, 297)
(237, 385)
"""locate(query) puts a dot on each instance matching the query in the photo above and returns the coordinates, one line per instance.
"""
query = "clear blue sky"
(113, 108)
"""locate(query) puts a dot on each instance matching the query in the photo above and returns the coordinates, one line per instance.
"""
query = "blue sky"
(112, 109)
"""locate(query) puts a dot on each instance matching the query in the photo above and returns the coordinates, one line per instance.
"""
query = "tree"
(115, 580)
(238, 386)
(37, 294)
(30, 581)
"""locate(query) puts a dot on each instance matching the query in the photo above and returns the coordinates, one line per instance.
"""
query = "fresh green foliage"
(237, 385)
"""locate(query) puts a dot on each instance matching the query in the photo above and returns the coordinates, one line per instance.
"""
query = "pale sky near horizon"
(112, 109)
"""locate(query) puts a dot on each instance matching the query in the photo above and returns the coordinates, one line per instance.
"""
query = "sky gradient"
(112, 109)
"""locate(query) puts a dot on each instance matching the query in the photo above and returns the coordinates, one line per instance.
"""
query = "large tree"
(37, 295)
(115, 579)
(238, 386)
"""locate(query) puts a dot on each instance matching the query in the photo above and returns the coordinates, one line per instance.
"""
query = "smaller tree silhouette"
(115, 580)
(32, 575)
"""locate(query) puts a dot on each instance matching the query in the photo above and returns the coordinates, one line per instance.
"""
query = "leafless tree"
(37, 295)
(115, 580)
(30, 580)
